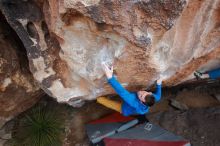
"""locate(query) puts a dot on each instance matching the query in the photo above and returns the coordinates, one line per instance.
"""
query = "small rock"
(178, 105)
(217, 96)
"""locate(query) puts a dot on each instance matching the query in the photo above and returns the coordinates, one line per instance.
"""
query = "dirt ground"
(200, 126)
(199, 123)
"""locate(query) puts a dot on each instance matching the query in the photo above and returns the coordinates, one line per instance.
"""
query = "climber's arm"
(114, 83)
(157, 93)
(214, 74)
(123, 93)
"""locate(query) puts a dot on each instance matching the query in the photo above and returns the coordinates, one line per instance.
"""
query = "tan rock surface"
(66, 40)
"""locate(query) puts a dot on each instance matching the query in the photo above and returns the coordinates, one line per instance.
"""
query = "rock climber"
(213, 74)
(133, 103)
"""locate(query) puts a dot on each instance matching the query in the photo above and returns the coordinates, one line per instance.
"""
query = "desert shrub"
(42, 126)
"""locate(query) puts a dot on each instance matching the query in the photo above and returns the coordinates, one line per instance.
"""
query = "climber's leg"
(200, 75)
(114, 105)
(214, 74)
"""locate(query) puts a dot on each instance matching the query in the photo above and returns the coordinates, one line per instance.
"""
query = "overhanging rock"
(66, 41)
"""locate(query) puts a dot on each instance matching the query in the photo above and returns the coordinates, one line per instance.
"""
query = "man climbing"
(134, 103)
(213, 74)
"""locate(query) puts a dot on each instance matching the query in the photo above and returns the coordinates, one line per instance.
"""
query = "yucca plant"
(41, 127)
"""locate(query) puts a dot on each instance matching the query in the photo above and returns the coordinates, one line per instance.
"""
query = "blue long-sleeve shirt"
(131, 104)
(214, 74)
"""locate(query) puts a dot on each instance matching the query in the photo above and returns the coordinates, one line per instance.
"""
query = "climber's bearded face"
(142, 95)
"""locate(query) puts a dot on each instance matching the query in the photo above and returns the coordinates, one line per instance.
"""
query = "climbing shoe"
(198, 75)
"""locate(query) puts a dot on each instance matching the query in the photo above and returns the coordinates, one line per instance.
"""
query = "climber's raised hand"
(108, 70)
(161, 79)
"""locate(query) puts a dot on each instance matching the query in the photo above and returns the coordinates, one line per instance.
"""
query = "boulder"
(18, 89)
(66, 41)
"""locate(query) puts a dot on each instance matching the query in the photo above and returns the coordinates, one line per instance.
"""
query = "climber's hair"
(149, 100)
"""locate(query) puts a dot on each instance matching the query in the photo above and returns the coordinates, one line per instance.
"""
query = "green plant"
(41, 127)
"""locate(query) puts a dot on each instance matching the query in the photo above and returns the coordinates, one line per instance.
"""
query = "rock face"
(66, 41)
(18, 90)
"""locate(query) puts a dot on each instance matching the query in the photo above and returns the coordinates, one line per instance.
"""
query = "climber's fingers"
(111, 68)
(105, 67)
